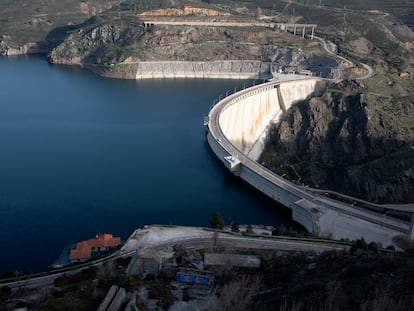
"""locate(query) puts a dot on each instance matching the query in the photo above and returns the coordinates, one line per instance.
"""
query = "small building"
(148, 262)
(195, 277)
(86, 249)
(196, 284)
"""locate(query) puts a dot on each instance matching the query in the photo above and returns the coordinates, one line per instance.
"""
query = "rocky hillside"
(356, 138)
(101, 42)
(97, 41)
(339, 140)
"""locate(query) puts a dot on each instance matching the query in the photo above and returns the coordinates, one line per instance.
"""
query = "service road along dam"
(236, 132)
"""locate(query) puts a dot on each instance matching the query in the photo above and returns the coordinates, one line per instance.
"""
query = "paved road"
(370, 70)
(190, 237)
(226, 241)
(212, 24)
(47, 278)
(325, 46)
(162, 238)
(224, 24)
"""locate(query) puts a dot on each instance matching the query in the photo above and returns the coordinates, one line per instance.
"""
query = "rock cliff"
(335, 141)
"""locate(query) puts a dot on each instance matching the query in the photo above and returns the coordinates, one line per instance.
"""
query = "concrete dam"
(237, 127)
(245, 120)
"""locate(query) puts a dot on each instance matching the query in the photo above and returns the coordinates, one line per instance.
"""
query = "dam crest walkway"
(324, 216)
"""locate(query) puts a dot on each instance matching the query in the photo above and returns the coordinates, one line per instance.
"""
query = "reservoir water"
(82, 155)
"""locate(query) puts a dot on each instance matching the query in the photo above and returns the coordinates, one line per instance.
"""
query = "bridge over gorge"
(294, 28)
(236, 132)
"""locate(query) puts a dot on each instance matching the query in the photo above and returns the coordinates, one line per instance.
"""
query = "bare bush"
(239, 293)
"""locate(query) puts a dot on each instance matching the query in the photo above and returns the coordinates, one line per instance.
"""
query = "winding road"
(164, 238)
(370, 70)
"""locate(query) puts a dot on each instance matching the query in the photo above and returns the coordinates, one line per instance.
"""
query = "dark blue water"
(81, 155)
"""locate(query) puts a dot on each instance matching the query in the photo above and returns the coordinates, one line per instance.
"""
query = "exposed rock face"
(332, 142)
(184, 12)
(28, 48)
(362, 46)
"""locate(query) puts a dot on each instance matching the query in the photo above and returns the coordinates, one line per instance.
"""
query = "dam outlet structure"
(236, 130)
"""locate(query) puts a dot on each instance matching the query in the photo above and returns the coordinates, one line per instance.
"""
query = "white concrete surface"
(336, 225)
(239, 120)
(244, 122)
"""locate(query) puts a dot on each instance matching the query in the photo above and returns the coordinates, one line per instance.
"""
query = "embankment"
(233, 69)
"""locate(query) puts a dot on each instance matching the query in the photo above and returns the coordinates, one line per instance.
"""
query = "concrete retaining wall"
(201, 69)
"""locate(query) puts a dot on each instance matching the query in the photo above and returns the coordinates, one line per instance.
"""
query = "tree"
(5, 292)
(179, 253)
(280, 230)
(235, 227)
(216, 221)
(358, 246)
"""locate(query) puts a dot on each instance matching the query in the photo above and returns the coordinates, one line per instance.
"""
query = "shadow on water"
(262, 202)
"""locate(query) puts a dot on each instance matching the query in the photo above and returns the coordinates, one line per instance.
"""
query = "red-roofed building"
(85, 249)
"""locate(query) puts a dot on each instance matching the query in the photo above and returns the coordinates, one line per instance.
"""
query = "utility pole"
(344, 26)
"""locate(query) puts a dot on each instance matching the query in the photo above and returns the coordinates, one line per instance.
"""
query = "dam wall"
(236, 130)
(236, 133)
(203, 69)
(245, 120)
(264, 185)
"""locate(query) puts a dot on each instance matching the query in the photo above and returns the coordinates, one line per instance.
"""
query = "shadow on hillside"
(57, 35)
(327, 143)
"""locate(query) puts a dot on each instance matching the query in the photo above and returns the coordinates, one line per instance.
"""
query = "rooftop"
(84, 249)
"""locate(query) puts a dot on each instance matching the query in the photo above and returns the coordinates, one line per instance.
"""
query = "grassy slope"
(31, 21)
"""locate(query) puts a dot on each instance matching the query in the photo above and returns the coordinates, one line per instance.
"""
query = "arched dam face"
(237, 130)
(237, 133)
(246, 119)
